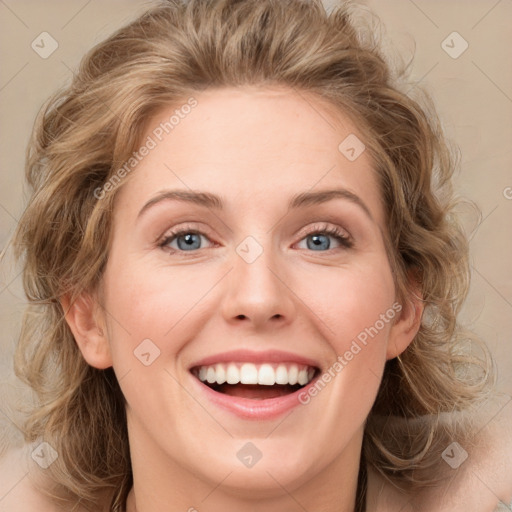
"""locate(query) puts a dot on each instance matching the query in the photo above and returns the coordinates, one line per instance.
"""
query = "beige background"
(473, 93)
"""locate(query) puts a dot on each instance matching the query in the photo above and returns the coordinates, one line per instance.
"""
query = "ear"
(408, 323)
(87, 323)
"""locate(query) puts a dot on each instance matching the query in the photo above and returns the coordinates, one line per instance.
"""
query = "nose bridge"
(255, 288)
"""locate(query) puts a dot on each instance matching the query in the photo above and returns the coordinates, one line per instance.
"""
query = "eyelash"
(325, 229)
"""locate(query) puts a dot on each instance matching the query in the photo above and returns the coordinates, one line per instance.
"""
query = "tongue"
(256, 391)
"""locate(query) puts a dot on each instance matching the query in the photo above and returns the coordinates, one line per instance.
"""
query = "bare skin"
(478, 485)
(256, 148)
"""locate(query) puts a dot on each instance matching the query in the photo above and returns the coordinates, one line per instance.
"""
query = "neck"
(331, 489)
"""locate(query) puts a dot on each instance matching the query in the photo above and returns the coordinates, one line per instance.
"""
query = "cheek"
(130, 310)
(355, 305)
(148, 320)
(149, 303)
(351, 301)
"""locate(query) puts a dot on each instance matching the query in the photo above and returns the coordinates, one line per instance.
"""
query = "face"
(276, 285)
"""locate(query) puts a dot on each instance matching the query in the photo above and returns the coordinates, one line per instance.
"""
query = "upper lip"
(250, 356)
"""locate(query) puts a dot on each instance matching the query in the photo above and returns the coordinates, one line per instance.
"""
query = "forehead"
(255, 145)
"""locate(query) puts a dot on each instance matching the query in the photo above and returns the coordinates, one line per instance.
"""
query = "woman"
(244, 276)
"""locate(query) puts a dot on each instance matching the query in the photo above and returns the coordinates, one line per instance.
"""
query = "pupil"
(318, 243)
(189, 241)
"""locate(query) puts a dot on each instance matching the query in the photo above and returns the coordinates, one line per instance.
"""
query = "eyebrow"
(215, 202)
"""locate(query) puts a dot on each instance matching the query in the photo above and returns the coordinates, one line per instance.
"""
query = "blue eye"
(318, 240)
(186, 239)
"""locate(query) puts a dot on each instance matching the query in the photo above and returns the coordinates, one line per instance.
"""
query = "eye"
(318, 238)
(185, 238)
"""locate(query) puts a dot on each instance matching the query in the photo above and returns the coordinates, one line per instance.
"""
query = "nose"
(257, 292)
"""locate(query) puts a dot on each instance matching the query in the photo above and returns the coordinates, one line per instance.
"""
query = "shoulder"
(24, 481)
(483, 481)
(476, 474)
(490, 469)
(18, 491)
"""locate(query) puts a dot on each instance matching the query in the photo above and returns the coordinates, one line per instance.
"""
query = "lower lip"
(250, 409)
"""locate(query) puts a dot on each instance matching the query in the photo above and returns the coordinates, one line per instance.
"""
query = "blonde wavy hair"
(86, 131)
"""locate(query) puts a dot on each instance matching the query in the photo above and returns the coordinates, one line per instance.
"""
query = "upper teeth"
(249, 373)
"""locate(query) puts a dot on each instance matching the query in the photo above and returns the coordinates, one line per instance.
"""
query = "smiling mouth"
(255, 381)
